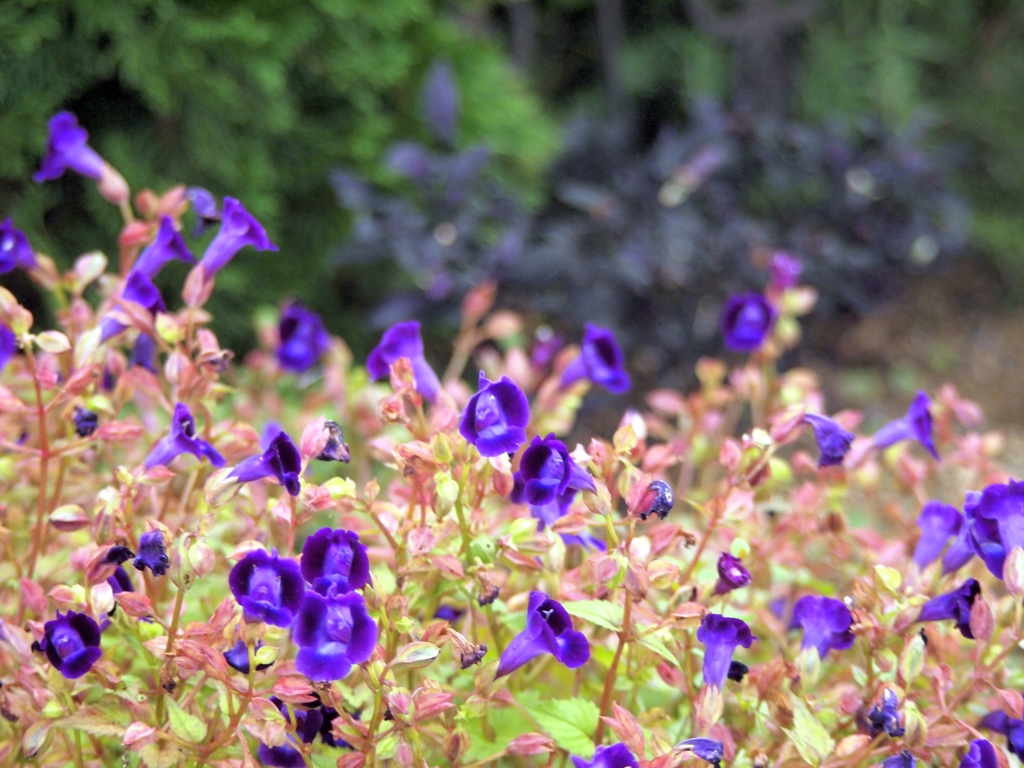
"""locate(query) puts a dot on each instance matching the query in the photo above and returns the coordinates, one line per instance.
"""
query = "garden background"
(587, 110)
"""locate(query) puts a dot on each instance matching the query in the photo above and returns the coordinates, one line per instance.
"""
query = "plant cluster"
(430, 576)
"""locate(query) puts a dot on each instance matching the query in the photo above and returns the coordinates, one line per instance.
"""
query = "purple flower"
(962, 549)
(144, 353)
(955, 605)
(204, 205)
(658, 500)
(903, 760)
(86, 421)
(118, 554)
(708, 750)
(167, 246)
(120, 581)
(938, 522)
(8, 345)
(333, 633)
(441, 102)
(448, 613)
(335, 558)
(152, 553)
(72, 643)
(335, 449)
(825, 622)
(546, 472)
(267, 587)
(67, 148)
(1011, 728)
(731, 574)
(737, 671)
(747, 319)
(720, 636)
(885, 717)
(785, 270)
(981, 754)
(238, 229)
(496, 416)
(545, 346)
(138, 288)
(833, 441)
(281, 460)
(303, 338)
(601, 361)
(307, 722)
(237, 657)
(404, 340)
(548, 630)
(996, 522)
(915, 425)
(14, 249)
(182, 439)
(615, 756)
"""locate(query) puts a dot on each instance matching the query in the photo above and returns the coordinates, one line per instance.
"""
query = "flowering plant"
(430, 576)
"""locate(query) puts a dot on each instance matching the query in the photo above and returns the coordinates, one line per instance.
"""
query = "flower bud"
(1013, 572)
(202, 559)
(112, 186)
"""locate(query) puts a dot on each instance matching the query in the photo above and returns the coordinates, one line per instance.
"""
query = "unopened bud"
(112, 186)
(1013, 572)
(201, 558)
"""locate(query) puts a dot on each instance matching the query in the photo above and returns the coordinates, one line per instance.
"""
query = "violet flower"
(267, 587)
(915, 425)
(303, 338)
(938, 522)
(1010, 727)
(404, 340)
(152, 553)
(548, 630)
(747, 319)
(833, 441)
(955, 605)
(615, 756)
(335, 558)
(237, 230)
(721, 636)
(601, 361)
(333, 633)
(496, 416)
(708, 750)
(448, 613)
(139, 289)
(546, 472)
(903, 760)
(996, 523)
(885, 717)
(182, 439)
(167, 246)
(204, 206)
(980, 754)
(86, 421)
(731, 574)
(72, 643)
(737, 671)
(307, 722)
(67, 148)
(14, 249)
(826, 623)
(658, 500)
(280, 460)
(120, 581)
(962, 549)
(237, 657)
(8, 345)
(785, 270)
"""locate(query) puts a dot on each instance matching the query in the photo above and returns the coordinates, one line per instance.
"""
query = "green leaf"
(656, 644)
(599, 612)
(809, 736)
(184, 725)
(570, 722)
(93, 722)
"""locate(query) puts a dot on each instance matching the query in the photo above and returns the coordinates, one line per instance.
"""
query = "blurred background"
(624, 162)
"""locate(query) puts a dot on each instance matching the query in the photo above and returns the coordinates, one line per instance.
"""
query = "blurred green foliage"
(257, 100)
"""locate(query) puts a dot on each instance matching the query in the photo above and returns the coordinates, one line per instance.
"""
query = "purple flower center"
(751, 321)
(339, 560)
(265, 586)
(339, 625)
(67, 642)
(7, 244)
(488, 412)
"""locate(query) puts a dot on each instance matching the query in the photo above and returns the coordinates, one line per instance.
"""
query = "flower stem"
(175, 618)
(609, 683)
(44, 467)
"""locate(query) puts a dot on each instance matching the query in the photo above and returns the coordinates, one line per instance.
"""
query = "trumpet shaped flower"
(826, 623)
(721, 636)
(916, 424)
(333, 632)
(67, 147)
(548, 630)
(601, 361)
(281, 460)
(182, 439)
(303, 338)
(955, 605)
(614, 756)
(747, 319)
(832, 439)
(72, 643)
(404, 340)
(268, 588)
(238, 229)
(496, 416)
(15, 250)
(335, 559)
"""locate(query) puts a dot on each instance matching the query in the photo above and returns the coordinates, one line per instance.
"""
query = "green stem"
(175, 618)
